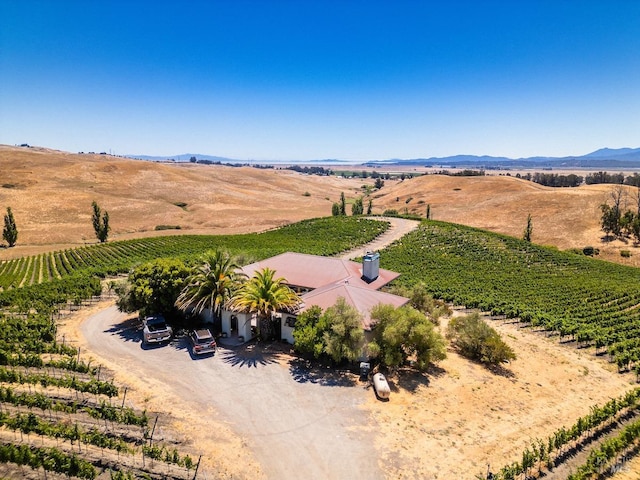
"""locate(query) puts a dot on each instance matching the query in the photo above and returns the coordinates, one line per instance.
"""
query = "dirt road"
(398, 228)
(299, 423)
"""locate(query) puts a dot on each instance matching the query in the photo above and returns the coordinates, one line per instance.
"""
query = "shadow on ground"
(410, 379)
(501, 371)
(304, 371)
(129, 330)
(248, 355)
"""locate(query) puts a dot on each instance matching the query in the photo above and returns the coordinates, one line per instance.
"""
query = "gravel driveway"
(300, 423)
(398, 228)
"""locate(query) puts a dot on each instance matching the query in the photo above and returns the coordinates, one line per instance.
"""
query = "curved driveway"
(299, 422)
(398, 228)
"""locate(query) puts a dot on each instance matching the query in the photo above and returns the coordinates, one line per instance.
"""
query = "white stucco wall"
(286, 330)
(244, 324)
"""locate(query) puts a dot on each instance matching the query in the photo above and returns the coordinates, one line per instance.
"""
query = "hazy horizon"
(356, 81)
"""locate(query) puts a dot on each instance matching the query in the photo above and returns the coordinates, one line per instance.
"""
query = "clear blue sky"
(303, 79)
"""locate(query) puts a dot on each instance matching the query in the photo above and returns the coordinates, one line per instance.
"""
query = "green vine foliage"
(592, 302)
(50, 459)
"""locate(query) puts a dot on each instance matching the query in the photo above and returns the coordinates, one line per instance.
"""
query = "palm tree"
(264, 295)
(211, 284)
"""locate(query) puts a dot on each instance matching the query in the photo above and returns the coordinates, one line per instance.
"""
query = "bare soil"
(461, 417)
(449, 423)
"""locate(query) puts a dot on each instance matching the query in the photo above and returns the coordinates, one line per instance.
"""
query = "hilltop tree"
(528, 230)
(10, 231)
(343, 204)
(612, 214)
(100, 223)
(357, 208)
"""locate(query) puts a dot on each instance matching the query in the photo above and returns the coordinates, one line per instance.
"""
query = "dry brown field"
(50, 193)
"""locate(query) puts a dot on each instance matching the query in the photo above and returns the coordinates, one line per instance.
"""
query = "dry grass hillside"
(51, 192)
(562, 217)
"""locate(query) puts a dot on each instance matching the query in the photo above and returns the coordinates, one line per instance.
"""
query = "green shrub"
(473, 338)
(625, 253)
(168, 227)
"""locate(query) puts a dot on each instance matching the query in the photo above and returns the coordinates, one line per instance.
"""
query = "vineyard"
(546, 458)
(325, 236)
(589, 302)
(57, 414)
(61, 415)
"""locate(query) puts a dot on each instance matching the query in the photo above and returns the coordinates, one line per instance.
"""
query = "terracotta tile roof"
(313, 271)
(328, 279)
(363, 299)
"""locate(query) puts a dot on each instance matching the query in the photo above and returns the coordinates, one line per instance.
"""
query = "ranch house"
(319, 281)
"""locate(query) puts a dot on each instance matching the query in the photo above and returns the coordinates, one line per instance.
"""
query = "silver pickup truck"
(155, 330)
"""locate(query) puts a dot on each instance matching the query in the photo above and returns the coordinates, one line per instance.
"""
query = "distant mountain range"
(602, 158)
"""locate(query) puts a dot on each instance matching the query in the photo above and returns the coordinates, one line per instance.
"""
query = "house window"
(290, 322)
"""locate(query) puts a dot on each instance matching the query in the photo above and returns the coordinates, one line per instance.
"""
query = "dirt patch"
(448, 423)
(225, 454)
(458, 418)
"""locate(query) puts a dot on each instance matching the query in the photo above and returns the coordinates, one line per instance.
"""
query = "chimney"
(370, 266)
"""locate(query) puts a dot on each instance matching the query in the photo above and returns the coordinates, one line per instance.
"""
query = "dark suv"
(202, 341)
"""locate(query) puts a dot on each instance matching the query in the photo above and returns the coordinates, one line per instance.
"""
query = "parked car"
(202, 341)
(155, 330)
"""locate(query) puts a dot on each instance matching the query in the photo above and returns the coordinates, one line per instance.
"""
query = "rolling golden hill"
(50, 193)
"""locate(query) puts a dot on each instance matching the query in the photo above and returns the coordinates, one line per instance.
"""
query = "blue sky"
(299, 80)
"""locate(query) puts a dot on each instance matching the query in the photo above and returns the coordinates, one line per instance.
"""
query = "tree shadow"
(129, 330)
(248, 355)
(501, 371)
(607, 238)
(306, 371)
(181, 343)
(410, 379)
